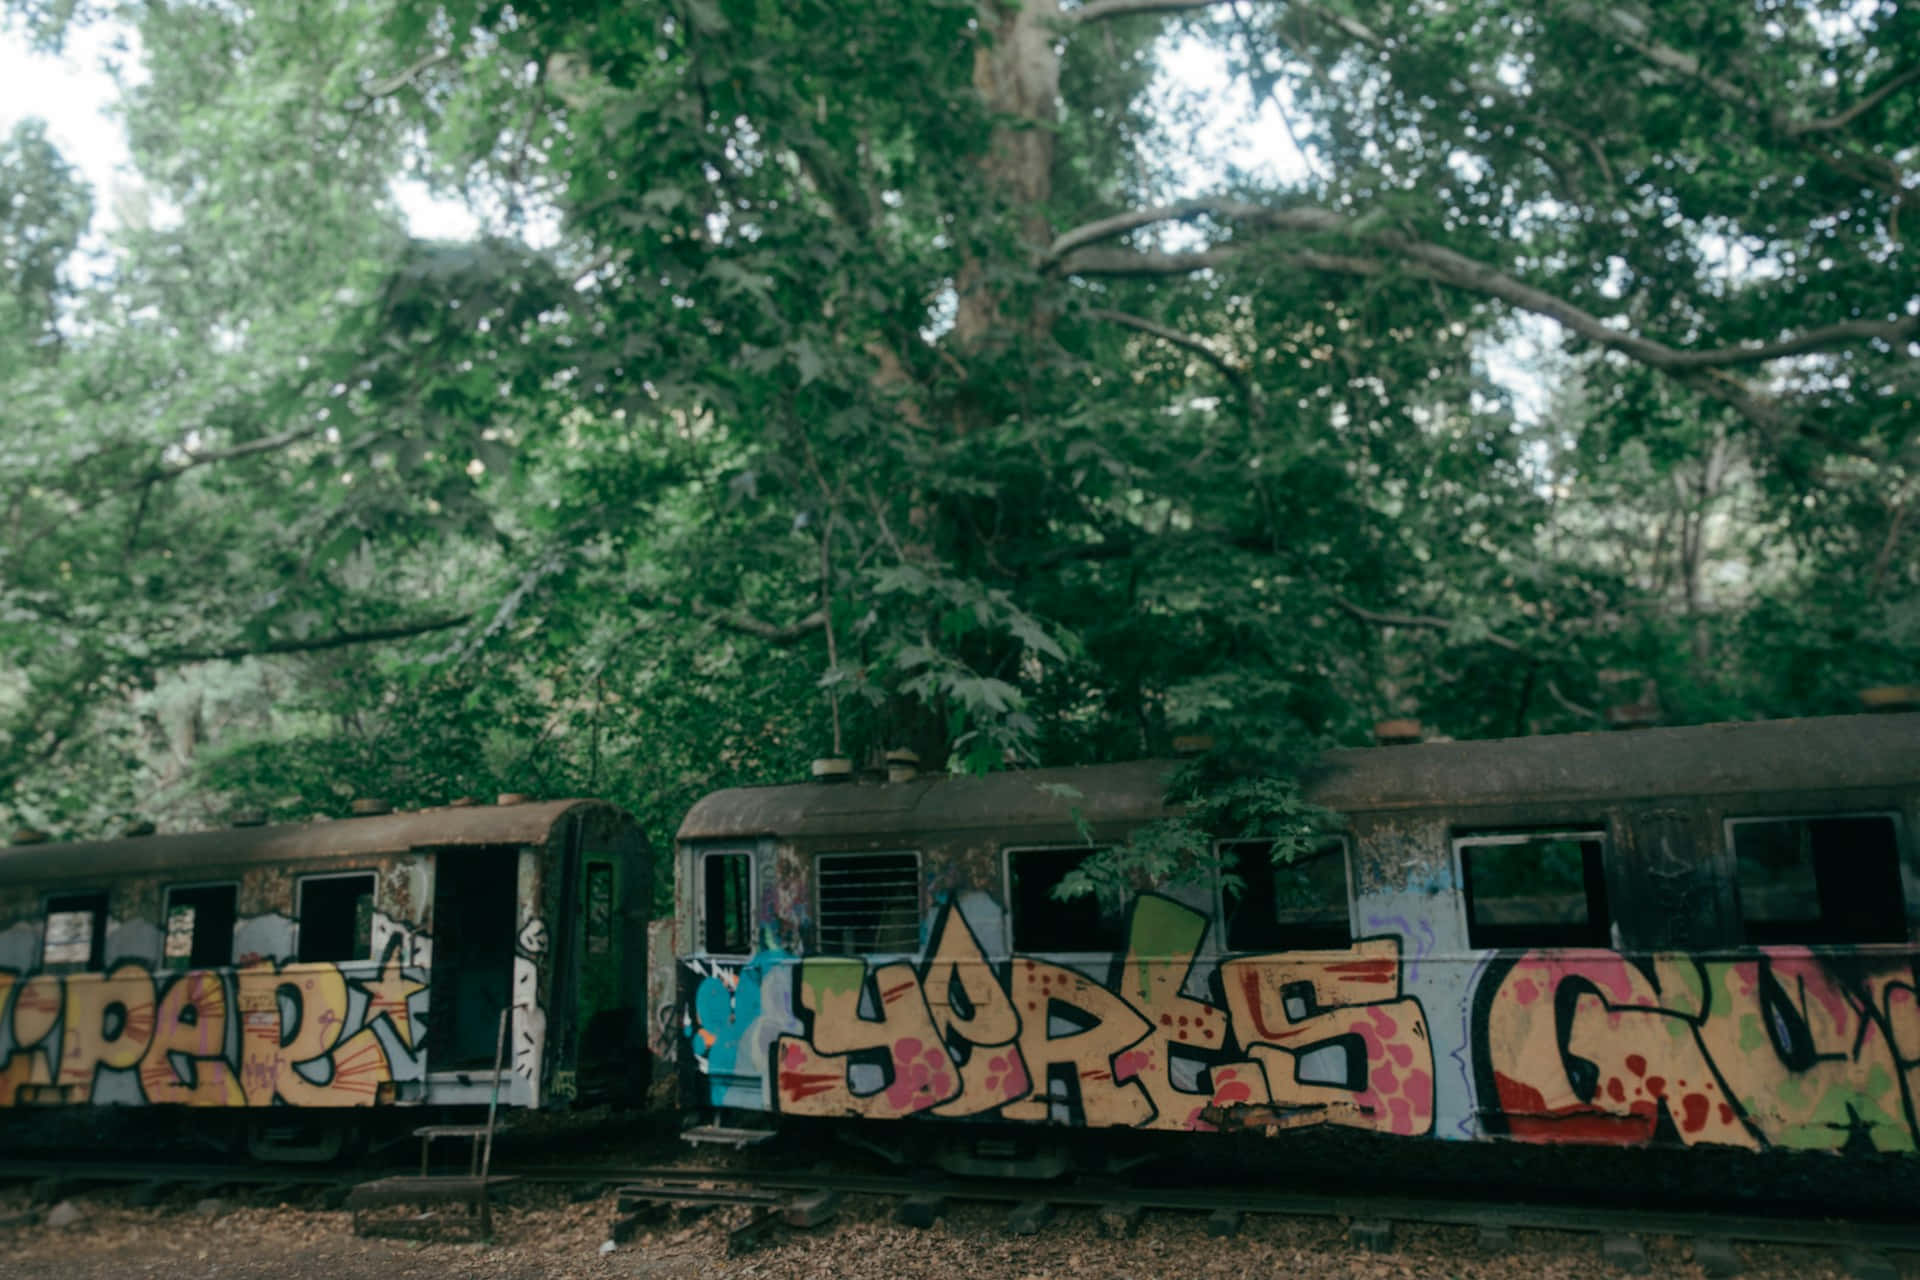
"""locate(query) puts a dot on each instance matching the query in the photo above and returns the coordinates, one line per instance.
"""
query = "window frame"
(96, 961)
(919, 897)
(1601, 833)
(598, 869)
(300, 911)
(1014, 947)
(1900, 871)
(166, 910)
(1345, 846)
(700, 900)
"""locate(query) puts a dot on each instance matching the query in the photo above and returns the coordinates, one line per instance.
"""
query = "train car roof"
(1826, 754)
(516, 824)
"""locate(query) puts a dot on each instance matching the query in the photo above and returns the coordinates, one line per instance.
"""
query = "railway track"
(807, 1198)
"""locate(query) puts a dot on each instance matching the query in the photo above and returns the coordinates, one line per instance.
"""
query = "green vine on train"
(1223, 797)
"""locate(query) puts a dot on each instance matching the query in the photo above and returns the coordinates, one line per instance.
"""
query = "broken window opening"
(1819, 881)
(726, 904)
(76, 936)
(336, 918)
(1091, 922)
(1536, 889)
(200, 921)
(1301, 905)
(599, 908)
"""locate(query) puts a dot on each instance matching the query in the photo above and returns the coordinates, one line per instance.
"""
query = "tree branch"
(1419, 620)
(1099, 10)
(395, 83)
(1840, 120)
(1631, 30)
(744, 624)
(1187, 342)
(338, 640)
(1586, 713)
(1126, 263)
(265, 444)
(1701, 369)
(1306, 220)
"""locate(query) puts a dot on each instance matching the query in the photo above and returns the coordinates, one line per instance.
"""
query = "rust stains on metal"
(1834, 752)
(526, 824)
(1037, 798)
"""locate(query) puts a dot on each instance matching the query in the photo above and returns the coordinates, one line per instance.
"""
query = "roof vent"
(1891, 697)
(1634, 715)
(247, 818)
(903, 765)
(508, 798)
(832, 769)
(370, 806)
(1635, 699)
(1398, 732)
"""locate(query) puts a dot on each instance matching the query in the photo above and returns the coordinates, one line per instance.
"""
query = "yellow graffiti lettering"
(1335, 1041)
(186, 1061)
(108, 1023)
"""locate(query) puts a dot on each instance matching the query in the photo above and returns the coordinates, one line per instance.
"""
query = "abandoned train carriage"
(1692, 935)
(352, 963)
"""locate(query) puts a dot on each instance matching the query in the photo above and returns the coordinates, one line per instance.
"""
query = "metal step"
(723, 1136)
(430, 1131)
(410, 1189)
(473, 1192)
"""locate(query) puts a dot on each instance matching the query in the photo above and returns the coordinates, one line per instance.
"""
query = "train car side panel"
(338, 965)
(1684, 937)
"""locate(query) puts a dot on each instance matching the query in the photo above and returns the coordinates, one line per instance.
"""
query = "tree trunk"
(1017, 74)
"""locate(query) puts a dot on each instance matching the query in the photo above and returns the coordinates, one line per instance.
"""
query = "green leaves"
(766, 420)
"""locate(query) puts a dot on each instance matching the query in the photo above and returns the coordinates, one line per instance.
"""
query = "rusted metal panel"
(1673, 879)
(1833, 752)
(1550, 774)
(174, 855)
(1121, 793)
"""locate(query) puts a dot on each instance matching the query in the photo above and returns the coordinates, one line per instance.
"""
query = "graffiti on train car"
(303, 1034)
(1282, 1041)
(1778, 1048)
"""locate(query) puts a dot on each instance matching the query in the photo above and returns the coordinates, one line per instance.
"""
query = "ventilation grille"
(868, 902)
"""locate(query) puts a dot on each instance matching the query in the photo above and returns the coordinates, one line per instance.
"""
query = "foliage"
(1219, 798)
(836, 377)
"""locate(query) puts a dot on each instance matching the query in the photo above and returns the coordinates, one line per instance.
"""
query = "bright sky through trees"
(74, 93)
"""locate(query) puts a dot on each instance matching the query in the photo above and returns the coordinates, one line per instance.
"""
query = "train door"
(474, 915)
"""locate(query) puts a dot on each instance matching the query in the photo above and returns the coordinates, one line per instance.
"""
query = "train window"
(726, 903)
(1819, 880)
(599, 908)
(1042, 922)
(76, 930)
(336, 918)
(199, 926)
(867, 902)
(1537, 889)
(1302, 905)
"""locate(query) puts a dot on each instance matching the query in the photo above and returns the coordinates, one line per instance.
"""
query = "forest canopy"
(835, 377)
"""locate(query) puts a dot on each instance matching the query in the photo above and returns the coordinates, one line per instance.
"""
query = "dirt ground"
(541, 1235)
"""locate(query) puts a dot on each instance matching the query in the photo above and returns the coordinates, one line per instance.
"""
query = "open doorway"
(472, 980)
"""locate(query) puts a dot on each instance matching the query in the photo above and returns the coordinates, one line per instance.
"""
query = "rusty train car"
(1677, 937)
(278, 974)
